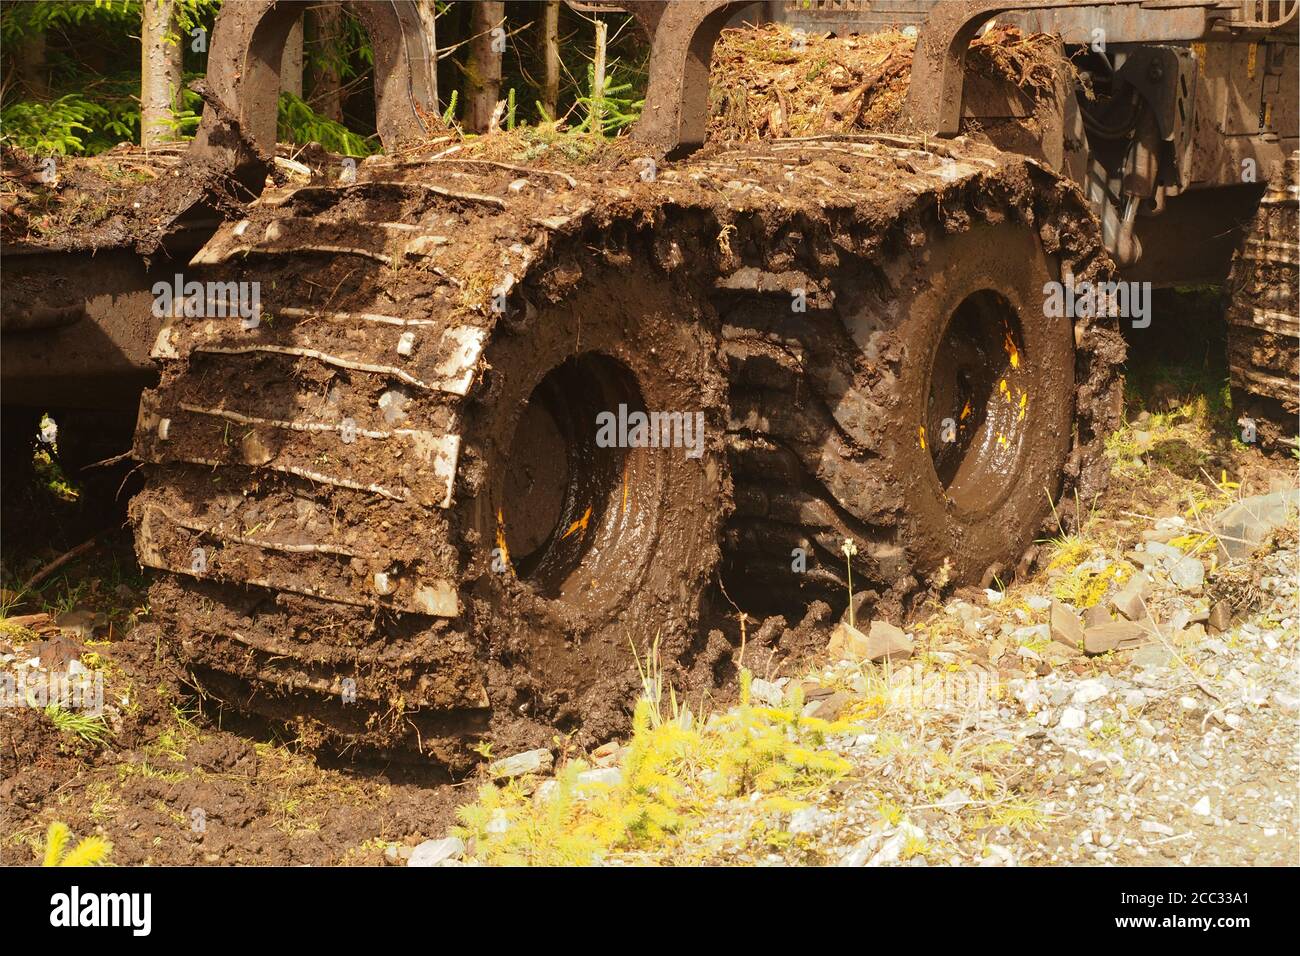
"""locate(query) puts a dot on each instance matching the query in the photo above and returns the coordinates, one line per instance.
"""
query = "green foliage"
(18, 20)
(774, 748)
(186, 16)
(93, 730)
(92, 851)
(449, 114)
(343, 57)
(56, 128)
(299, 123)
(617, 109)
(674, 769)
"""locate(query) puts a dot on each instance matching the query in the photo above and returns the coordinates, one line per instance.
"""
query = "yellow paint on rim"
(501, 538)
(579, 525)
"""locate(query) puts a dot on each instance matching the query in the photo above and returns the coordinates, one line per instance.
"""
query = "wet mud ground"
(174, 778)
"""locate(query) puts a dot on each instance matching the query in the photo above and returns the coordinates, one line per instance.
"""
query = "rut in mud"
(380, 510)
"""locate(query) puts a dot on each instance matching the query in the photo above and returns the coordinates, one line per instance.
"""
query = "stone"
(1153, 655)
(1187, 574)
(1243, 526)
(1202, 807)
(765, 692)
(433, 852)
(1118, 635)
(1072, 718)
(954, 800)
(1151, 826)
(81, 623)
(530, 761)
(604, 776)
(883, 641)
(1066, 628)
(1088, 691)
(1130, 601)
(860, 852)
(1287, 703)
(546, 791)
(808, 820)
(892, 849)
(607, 754)
(828, 708)
(1096, 615)
(1220, 618)
(1146, 560)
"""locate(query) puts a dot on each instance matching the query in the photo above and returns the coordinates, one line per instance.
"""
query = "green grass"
(677, 767)
(90, 729)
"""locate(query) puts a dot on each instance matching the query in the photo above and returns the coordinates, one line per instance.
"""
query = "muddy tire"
(1264, 318)
(600, 552)
(929, 408)
(380, 514)
(975, 428)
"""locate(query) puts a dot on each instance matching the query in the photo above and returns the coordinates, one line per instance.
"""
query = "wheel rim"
(978, 401)
(571, 514)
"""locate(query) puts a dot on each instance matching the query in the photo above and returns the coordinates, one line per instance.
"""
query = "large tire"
(975, 427)
(852, 422)
(1264, 317)
(428, 569)
(365, 590)
(606, 550)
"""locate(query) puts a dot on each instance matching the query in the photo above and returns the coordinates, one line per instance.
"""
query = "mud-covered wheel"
(384, 512)
(1263, 315)
(932, 405)
(593, 543)
(978, 429)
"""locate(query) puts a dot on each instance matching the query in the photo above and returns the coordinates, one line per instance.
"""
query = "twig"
(108, 461)
(84, 548)
(1155, 629)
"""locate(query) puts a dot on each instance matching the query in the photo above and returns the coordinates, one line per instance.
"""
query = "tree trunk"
(597, 124)
(160, 72)
(325, 23)
(483, 65)
(428, 11)
(551, 57)
(31, 65)
(291, 62)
